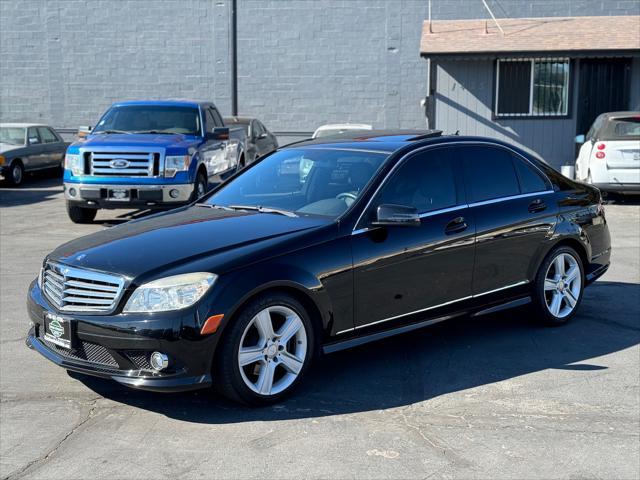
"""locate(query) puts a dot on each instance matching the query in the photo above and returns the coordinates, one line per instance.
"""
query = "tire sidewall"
(201, 179)
(16, 166)
(538, 295)
(232, 340)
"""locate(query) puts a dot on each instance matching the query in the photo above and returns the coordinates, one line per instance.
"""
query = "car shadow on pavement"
(448, 357)
(37, 187)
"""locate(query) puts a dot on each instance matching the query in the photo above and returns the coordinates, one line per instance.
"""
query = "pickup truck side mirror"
(218, 133)
(400, 215)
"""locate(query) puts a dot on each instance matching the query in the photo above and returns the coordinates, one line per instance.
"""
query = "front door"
(400, 270)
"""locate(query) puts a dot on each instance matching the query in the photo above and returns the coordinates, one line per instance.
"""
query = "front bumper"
(118, 347)
(98, 195)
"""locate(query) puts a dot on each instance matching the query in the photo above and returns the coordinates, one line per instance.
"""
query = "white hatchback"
(609, 157)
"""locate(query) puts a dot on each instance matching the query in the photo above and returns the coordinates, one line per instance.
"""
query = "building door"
(604, 86)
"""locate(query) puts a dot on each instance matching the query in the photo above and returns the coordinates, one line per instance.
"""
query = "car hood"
(168, 240)
(7, 147)
(140, 140)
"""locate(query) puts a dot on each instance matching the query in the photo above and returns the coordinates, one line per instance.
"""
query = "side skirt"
(503, 306)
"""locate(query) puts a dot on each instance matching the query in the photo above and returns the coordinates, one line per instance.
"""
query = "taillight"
(601, 146)
(600, 155)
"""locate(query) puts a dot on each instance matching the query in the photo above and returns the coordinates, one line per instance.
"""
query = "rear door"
(513, 205)
(399, 270)
(36, 156)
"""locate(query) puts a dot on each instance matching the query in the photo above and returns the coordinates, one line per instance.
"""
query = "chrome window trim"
(404, 158)
(511, 197)
(357, 327)
(421, 216)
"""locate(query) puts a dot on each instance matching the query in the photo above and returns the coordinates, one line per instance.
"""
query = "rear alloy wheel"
(267, 351)
(200, 187)
(559, 286)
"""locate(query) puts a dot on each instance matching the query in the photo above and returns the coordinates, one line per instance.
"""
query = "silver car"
(26, 147)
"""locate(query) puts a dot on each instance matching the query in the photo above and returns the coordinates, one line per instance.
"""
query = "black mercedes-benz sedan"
(317, 247)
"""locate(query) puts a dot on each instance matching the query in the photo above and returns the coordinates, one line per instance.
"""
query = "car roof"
(344, 126)
(178, 102)
(380, 140)
(22, 125)
(240, 120)
(616, 115)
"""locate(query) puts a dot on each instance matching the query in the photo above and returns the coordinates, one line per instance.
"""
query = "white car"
(609, 157)
(338, 128)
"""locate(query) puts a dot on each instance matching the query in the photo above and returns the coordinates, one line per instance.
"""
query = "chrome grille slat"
(135, 163)
(74, 289)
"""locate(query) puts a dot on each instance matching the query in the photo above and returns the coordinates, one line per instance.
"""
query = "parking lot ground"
(490, 397)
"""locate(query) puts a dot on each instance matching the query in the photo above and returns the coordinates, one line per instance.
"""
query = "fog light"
(174, 193)
(72, 192)
(159, 361)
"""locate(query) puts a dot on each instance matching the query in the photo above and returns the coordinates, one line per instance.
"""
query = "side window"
(425, 181)
(47, 135)
(217, 119)
(33, 137)
(209, 122)
(257, 129)
(489, 173)
(530, 179)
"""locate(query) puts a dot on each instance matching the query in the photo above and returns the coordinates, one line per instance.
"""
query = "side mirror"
(580, 139)
(400, 215)
(218, 133)
(83, 131)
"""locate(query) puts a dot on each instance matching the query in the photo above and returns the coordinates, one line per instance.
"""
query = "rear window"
(622, 129)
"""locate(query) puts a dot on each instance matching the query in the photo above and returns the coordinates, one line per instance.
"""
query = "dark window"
(530, 179)
(489, 173)
(209, 121)
(532, 87)
(217, 119)
(47, 135)
(150, 119)
(425, 181)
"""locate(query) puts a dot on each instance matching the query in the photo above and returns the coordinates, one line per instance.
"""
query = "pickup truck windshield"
(311, 181)
(150, 119)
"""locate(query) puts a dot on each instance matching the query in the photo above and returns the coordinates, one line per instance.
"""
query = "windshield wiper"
(163, 132)
(110, 131)
(210, 205)
(260, 209)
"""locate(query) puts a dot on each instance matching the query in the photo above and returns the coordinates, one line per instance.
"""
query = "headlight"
(176, 163)
(73, 162)
(170, 293)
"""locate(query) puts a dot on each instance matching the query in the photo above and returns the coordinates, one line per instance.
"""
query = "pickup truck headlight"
(73, 162)
(176, 163)
(170, 293)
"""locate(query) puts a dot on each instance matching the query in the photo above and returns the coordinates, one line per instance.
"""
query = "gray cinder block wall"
(301, 62)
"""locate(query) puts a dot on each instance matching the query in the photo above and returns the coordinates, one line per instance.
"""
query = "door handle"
(456, 225)
(537, 206)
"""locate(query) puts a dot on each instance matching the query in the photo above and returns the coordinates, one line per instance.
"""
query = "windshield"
(313, 181)
(12, 135)
(150, 119)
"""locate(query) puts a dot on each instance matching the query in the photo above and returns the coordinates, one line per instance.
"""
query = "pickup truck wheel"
(200, 186)
(80, 214)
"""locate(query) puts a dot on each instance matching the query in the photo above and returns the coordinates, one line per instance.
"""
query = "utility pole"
(234, 57)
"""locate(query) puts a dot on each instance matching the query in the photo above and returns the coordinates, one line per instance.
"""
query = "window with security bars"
(534, 87)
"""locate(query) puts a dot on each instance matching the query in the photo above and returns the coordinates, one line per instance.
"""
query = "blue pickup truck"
(150, 154)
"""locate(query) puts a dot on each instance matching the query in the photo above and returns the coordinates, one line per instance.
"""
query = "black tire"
(226, 371)
(541, 297)
(199, 186)
(81, 214)
(15, 176)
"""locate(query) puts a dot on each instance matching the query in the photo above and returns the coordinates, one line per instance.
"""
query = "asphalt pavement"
(491, 397)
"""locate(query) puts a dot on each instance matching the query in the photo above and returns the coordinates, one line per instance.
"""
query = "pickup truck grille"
(123, 164)
(73, 289)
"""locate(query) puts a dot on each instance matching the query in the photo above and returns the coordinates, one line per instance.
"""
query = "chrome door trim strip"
(517, 284)
(511, 197)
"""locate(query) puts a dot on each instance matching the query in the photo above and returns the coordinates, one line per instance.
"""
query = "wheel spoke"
(556, 302)
(550, 284)
(291, 363)
(571, 300)
(265, 379)
(572, 274)
(249, 355)
(559, 264)
(264, 325)
(289, 329)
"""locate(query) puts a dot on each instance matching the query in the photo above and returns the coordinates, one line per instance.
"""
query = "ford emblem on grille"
(119, 163)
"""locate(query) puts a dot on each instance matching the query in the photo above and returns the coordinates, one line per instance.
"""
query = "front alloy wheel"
(265, 350)
(559, 286)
